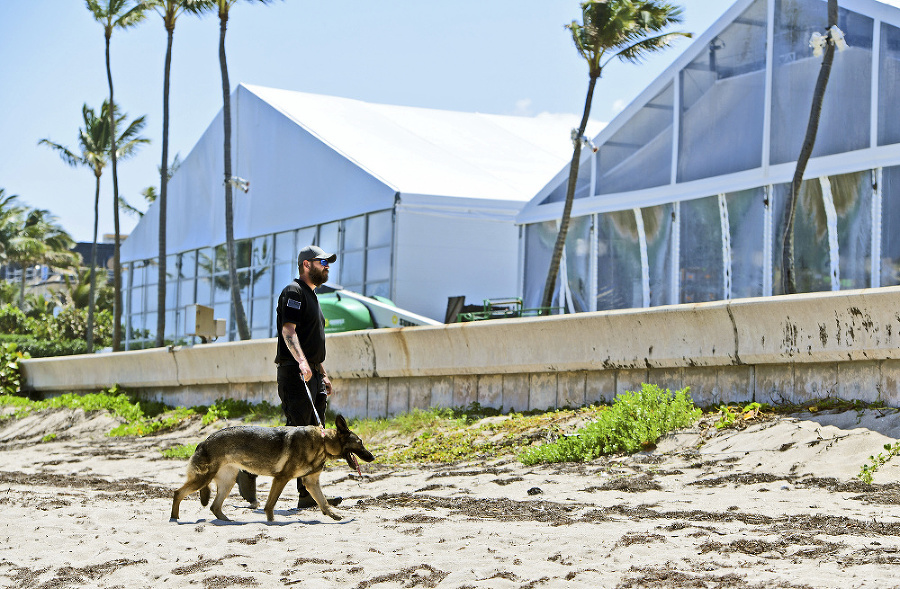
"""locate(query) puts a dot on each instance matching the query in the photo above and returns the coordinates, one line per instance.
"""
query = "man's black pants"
(295, 402)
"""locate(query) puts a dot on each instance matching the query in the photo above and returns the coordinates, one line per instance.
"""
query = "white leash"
(309, 395)
(322, 427)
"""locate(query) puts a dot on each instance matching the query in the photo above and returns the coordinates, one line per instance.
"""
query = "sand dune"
(773, 505)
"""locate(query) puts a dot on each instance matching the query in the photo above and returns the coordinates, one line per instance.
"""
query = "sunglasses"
(322, 261)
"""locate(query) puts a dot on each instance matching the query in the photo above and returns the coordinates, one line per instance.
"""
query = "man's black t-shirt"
(299, 305)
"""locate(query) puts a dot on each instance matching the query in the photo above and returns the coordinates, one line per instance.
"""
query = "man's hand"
(305, 370)
(327, 382)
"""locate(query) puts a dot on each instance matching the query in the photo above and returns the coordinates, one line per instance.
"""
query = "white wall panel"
(441, 254)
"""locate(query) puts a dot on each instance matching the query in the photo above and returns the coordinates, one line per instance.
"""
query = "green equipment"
(503, 309)
(346, 310)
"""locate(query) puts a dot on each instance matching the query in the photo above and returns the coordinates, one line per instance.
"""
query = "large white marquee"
(418, 203)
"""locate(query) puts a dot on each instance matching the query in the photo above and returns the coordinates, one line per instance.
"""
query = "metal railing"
(504, 309)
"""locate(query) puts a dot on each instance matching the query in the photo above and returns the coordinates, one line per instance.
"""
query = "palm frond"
(116, 13)
(623, 28)
(198, 6)
(131, 209)
(174, 166)
(94, 7)
(133, 128)
(93, 141)
(6, 202)
(637, 52)
(129, 141)
(64, 153)
(132, 17)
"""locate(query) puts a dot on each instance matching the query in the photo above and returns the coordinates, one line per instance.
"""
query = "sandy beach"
(775, 504)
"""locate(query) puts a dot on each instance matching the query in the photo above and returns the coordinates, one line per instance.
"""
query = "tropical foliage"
(55, 333)
(30, 237)
(76, 292)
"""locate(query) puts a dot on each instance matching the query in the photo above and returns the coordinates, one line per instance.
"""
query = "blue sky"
(492, 56)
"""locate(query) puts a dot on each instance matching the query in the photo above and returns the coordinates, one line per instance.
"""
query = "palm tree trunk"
(239, 316)
(560, 244)
(89, 335)
(117, 270)
(788, 274)
(22, 287)
(163, 191)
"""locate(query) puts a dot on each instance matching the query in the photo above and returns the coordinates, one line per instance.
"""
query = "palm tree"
(240, 317)
(9, 213)
(94, 147)
(38, 239)
(77, 292)
(93, 140)
(612, 29)
(10, 219)
(169, 10)
(113, 14)
(788, 275)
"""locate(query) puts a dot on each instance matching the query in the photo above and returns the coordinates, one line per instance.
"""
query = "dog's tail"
(198, 466)
(199, 461)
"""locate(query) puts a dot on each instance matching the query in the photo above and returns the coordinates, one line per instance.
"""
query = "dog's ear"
(341, 424)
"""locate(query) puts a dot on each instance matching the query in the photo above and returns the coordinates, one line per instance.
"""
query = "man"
(301, 352)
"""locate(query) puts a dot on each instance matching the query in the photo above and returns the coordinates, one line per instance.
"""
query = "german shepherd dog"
(284, 453)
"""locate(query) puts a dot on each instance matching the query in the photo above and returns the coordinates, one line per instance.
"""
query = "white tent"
(684, 199)
(418, 203)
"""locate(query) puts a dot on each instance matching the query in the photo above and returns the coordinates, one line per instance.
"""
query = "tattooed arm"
(289, 333)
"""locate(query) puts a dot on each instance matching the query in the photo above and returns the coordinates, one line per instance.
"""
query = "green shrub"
(118, 404)
(234, 408)
(144, 426)
(9, 292)
(11, 400)
(182, 451)
(10, 374)
(141, 417)
(40, 305)
(635, 420)
(36, 348)
(71, 324)
(68, 326)
(12, 319)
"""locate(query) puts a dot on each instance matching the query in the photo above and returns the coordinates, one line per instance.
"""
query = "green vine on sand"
(729, 416)
(868, 470)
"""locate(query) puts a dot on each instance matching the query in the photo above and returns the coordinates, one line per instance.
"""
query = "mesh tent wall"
(683, 200)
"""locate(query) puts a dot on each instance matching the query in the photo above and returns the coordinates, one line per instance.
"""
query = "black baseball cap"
(314, 252)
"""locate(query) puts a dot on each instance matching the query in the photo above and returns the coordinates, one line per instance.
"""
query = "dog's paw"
(335, 516)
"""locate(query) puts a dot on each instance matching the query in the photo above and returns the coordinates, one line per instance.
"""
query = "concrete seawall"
(790, 348)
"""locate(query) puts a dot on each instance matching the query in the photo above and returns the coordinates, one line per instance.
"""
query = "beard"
(317, 276)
